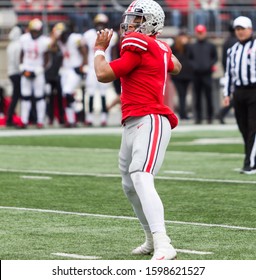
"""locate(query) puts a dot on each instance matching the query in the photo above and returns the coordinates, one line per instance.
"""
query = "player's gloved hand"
(29, 74)
(81, 70)
(39, 70)
(21, 68)
(222, 81)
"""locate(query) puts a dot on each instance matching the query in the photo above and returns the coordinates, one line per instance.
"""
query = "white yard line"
(193, 252)
(178, 172)
(83, 257)
(120, 217)
(205, 127)
(59, 173)
(207, 180)
(214, 141)
(75, 256)
(61, 131)
(36, 177)
(210, 141)
(102, 175)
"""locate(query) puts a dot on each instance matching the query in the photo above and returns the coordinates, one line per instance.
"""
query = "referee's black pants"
(245, 113)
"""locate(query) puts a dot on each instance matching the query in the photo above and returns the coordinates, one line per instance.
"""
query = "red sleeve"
(170, 65)
(125, 64)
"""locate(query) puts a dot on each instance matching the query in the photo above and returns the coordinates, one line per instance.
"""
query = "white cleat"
(167, 253)
(163, 249)
(144, 249)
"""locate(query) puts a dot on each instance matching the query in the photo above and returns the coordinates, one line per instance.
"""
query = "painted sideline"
(106, 130)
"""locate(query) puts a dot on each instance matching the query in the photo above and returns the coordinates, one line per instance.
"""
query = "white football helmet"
(151, 14)
(58, 29)
(100, 21)
(35, 27)
(100, 18)
(35, 24)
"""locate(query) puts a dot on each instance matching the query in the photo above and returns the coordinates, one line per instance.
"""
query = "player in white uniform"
(73, 66)
(34, 58)
(92, 85)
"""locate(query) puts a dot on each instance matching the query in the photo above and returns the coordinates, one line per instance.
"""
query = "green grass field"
(61, 194)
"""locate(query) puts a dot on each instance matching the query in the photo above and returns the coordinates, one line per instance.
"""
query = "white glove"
(85, 69)
(48, 89)
(39, 70)
(21, 67)
(222, 81)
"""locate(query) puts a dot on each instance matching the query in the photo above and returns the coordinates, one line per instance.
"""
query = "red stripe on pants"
(154, 144)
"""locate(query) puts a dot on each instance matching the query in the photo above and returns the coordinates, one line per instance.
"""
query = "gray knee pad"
(129, 191)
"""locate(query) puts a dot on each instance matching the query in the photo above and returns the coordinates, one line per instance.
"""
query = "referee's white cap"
(242, 21)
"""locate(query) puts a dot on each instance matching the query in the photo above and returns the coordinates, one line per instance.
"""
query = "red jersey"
(143, 68)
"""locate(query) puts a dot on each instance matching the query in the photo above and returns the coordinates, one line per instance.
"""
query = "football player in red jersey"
(143, 68)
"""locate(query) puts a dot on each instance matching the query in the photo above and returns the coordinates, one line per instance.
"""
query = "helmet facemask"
(36, 34)
(134, 22)
(64, 36)
(100, 25)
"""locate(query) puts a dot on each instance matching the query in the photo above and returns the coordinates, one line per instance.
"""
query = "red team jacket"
(142, 67)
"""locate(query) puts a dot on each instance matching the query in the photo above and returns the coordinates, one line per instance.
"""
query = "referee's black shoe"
(248, 170)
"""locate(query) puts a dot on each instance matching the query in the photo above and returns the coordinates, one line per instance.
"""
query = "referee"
(241, 82)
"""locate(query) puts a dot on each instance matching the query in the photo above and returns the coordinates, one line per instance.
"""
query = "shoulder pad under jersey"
(135, 42)
(76, 38)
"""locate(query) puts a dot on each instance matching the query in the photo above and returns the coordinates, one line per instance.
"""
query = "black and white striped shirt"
(240, 66)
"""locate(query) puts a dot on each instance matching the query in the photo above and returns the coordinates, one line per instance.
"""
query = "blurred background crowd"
(187, 22)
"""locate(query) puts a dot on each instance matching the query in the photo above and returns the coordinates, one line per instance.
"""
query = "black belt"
(251, 86)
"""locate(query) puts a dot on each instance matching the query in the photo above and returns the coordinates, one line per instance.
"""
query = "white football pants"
(28, 87)
(144, 142)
